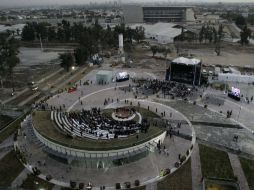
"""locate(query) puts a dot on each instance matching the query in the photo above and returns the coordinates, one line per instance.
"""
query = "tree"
(215, 35)
(11, 62)
(96, 31)
(66, 61)
(240, 21)
(66, 26)
(41, 30)
(218, 41)
(245, 34)
(81, 55)
(139, 33)
(129, 34)
(28, 32)
(52, 35)
(8, 56)
(201, 34)
(220, 32)
(166, 52)
(154, 50)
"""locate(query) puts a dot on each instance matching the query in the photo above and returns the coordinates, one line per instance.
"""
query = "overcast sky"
(14, 3)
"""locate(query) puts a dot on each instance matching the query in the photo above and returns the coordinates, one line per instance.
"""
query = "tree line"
(208, 33)
(8, 56)
(245, 34)
(92, 39)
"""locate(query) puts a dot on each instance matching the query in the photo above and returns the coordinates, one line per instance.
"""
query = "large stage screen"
(122, 76)
(235, 93)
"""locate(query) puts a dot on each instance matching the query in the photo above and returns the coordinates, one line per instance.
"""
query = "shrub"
(118, 186)
(182, 159)
(137, 182)
(81, 186)
(73, 184)
(127, 185)
(177, 164)
(48, 177)
(166, 172)
(36, 171)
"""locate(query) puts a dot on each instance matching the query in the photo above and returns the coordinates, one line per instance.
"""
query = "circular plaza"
(105, 135)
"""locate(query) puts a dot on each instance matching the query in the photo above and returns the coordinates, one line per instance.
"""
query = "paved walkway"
(196, 169)
(19, 180)
(238, 171)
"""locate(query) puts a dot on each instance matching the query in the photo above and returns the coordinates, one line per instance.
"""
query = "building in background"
(153, 14)
(165, 33)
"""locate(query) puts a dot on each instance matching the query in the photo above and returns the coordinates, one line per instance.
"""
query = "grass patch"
(22, 97)
(215, 163)
(216, 186)
(34, 183)
(180, 180)
(248, 168)
(5, 120)
(11, 128)
(48, 129)
(219, 86)
(10, 168)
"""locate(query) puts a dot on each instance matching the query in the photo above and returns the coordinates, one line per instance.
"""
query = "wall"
(96, 154)
(235, 78)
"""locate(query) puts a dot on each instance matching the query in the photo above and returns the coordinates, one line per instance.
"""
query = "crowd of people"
(170, 88)
(95, 123)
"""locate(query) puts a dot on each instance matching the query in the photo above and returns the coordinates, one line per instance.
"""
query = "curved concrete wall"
(98, 154)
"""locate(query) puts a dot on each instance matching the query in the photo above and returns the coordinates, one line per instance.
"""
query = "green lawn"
(215, 163)
(48, 129)
(214, 186)
(219, 86)
(11, 128)
(4, 120)
(180, 180)
(34, 183)
(248, 168)
(10, 168)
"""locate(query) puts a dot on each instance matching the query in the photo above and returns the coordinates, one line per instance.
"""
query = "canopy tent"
(104, 77)
(186, 61)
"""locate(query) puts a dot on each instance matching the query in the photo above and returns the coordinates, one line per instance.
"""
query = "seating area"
(92, 124)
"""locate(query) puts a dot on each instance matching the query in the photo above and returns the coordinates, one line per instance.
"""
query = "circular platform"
(77, 159)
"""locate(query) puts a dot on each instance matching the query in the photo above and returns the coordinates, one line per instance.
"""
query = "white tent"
(186, 61)
(162, 32)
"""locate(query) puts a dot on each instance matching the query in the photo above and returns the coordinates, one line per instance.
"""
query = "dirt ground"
(228, 57)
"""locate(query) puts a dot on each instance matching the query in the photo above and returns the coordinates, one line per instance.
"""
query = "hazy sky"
(14, 3)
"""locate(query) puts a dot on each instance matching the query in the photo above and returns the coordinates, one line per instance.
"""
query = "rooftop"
(186, 61)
